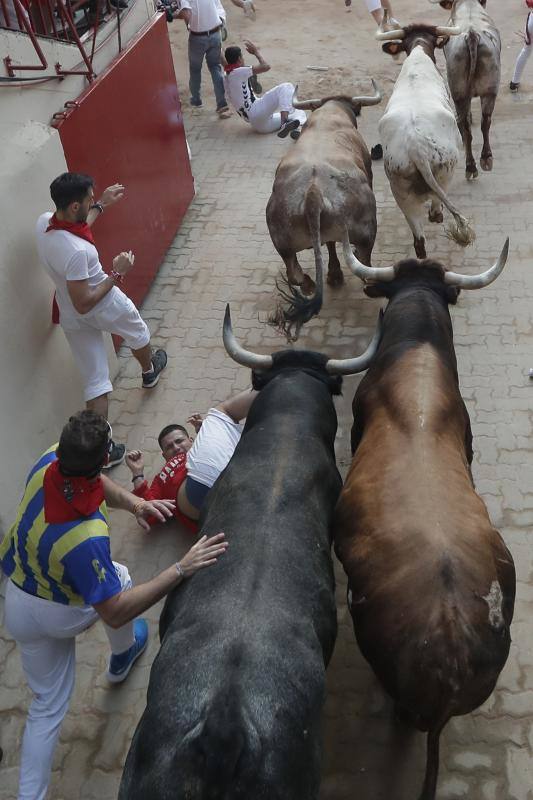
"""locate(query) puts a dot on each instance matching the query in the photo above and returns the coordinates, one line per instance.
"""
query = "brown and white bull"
(419, 133)
(431, 584)
(322, 187)
(473, 67)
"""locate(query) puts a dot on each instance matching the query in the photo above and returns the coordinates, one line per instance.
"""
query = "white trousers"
(213, 447)
(264, 116)
(373, 5)
(45, 632)
(524, 54)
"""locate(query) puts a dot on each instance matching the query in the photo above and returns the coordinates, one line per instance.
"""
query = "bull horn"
(446, 30)
(305, 105)
(364, 272)
(386, 36)
(238, 353)
(479, 281)
(349, 366)
(370, 101)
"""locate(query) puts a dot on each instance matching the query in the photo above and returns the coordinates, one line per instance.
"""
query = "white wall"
(39, 383)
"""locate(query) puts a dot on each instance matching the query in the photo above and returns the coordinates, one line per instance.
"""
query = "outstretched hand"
(203, 554)
(160, 509)
(251, 47)
(196, 421)
(112, 194)
(135, 461)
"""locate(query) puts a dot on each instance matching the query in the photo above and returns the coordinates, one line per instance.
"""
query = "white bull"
(420, 137)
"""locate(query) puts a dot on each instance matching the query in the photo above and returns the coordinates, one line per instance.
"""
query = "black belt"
(205, 33)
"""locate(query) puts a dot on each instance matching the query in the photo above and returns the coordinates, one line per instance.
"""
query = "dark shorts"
(196, 492)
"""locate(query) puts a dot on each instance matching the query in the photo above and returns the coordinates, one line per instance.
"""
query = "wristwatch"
(98, 206)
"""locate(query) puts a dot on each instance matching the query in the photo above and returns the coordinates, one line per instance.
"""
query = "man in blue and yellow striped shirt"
(62, 578)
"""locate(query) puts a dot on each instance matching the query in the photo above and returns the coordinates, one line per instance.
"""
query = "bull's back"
(240, 673)
(431, 583)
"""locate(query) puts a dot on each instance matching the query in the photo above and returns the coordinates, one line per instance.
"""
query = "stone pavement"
(223, 254)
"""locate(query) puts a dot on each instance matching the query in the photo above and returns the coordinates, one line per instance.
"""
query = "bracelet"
(98, 206)
(179, 570)
(137, 507)
(117, 276)
(140, 475)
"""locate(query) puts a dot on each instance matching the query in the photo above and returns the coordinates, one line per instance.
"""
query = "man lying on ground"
(271, 112)
(192, 466)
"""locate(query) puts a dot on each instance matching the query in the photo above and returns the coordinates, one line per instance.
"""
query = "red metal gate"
(127, 127)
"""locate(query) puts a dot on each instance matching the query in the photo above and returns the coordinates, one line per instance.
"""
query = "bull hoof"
(486, 164)
(308, 285)
(420, 249)
(437, 217)
(471, 173)
(335, 279)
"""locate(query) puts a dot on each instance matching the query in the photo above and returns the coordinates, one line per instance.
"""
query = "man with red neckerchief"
(89, 302)
(62, 579)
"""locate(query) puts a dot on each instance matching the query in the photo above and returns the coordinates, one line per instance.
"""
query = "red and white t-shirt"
(165, 486)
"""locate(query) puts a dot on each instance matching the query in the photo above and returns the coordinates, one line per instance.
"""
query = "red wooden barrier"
(128, 128)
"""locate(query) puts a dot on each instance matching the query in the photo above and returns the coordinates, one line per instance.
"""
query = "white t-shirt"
(238, 90)
(205, 14)
(67, 257)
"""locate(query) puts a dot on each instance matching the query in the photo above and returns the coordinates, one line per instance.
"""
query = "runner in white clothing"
(525, 52)
(271, 112)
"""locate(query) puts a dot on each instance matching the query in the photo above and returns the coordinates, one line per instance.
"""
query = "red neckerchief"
(81, 229)
(230, 67)
(67, 498)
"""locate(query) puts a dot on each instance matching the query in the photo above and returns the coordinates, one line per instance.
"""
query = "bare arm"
(237, 407)
(123, 607)
(118, 497)
(110, 196)
(254, 50)
(185, 15)
(85, 297)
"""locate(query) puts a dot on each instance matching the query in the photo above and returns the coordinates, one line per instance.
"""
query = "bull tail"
(223, 749)
(472, 42)
(300, 308)
(460, 231)
(429, 789)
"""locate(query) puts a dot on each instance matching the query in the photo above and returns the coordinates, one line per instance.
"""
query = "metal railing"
(68, 21)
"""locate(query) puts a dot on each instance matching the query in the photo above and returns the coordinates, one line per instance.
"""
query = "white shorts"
(213, 447)
(114, 314)
(373, 5)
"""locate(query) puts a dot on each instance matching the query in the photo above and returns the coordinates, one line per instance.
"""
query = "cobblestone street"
(223, 253)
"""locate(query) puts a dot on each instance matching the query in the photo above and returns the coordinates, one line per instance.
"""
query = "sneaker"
(159, 362)
(249, 9)
(223, 109)
(513, 87)
(295, 135)
(287, 127)
(197, 103)
(116, 454)
(119, 666)
(531, 374)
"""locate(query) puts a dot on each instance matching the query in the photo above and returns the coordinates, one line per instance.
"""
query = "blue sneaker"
(119, 666)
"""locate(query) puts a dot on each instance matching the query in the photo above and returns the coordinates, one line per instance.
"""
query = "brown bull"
(322, 186)
(431, 584)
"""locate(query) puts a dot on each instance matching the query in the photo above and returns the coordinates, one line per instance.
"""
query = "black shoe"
(159, 362)
(513, 87)
(376, 152)
(119, 3)
(295, 135)
(287, 127)
(116, 454)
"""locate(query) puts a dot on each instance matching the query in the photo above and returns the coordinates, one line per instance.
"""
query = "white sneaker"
(249, 9)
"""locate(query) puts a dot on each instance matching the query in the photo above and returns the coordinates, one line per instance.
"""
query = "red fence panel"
(127, 128)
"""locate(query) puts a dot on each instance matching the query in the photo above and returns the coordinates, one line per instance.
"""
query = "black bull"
(236, 691)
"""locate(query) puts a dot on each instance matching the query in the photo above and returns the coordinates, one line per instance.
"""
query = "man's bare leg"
(144, 357)
(238, 407)
(99, 404)
(378, 13)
